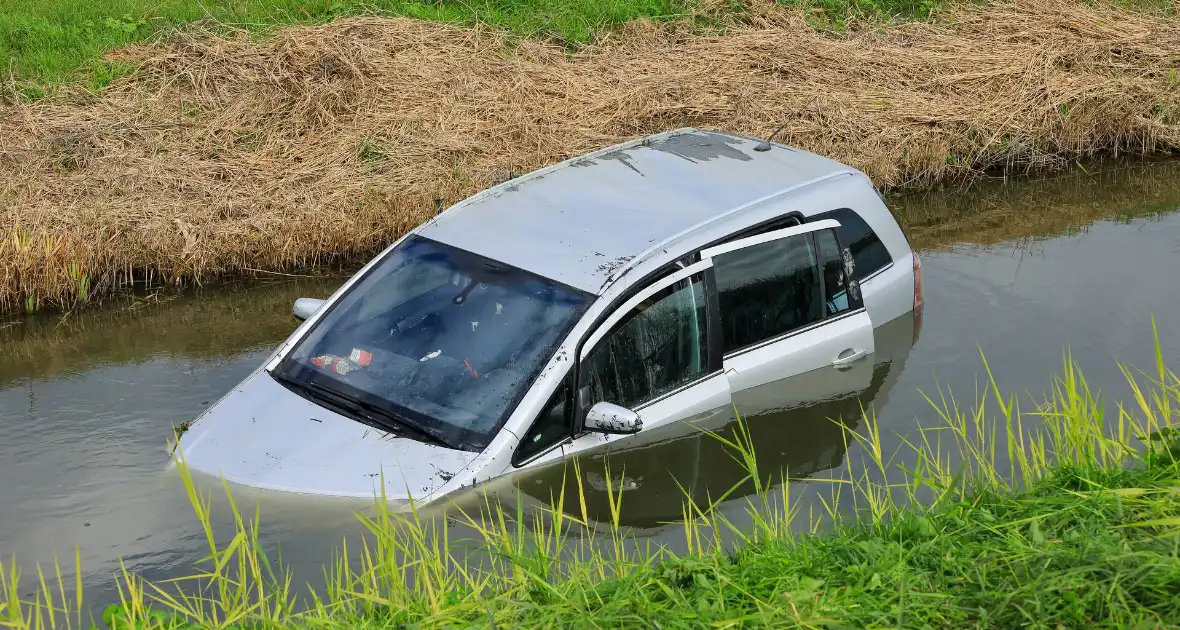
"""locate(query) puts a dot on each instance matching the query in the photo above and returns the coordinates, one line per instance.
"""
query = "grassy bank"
(222, 155)
(1063, 516)
(51, 43)
(54, 42)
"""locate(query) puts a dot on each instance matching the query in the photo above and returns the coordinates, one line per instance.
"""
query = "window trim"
(841, 247)
(827, 215)
(806, 229)
(604, 325)
(825, 317)
(680, 389)
(819, 272)
(625, 308)
(797, 331)
(766, 237)
(876, 273)
(762, 227)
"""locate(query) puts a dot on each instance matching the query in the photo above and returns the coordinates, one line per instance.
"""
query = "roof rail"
(650, 251)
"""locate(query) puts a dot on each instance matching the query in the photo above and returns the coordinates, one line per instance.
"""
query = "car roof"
(584, 221)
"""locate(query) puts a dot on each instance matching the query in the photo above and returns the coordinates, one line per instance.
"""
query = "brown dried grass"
(229, 155)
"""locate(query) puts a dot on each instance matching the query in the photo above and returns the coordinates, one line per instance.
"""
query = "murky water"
(1021, 270)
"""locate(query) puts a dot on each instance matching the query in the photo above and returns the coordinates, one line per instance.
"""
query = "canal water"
(1020, 270)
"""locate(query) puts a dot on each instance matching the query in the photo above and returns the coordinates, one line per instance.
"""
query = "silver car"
(638, 291)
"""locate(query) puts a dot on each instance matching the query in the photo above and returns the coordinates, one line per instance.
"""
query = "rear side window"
(767, 290)
(841, 294)
(868, 251)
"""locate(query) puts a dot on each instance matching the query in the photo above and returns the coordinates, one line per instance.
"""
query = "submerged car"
(662, 282)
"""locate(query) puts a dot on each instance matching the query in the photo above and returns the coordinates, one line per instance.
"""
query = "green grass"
(49, 41)
(1075, 550)
(1060, 517)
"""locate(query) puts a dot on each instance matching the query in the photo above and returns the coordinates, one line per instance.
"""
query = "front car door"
(657, 355)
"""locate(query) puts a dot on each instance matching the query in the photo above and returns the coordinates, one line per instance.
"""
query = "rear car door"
(794, 328)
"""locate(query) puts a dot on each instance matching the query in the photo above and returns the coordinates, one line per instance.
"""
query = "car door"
(793, 326)
(657, 355)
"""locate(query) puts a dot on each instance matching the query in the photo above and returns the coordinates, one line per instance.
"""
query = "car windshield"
(437, 338)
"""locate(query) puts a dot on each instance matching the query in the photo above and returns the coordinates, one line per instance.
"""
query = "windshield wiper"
(361, 410)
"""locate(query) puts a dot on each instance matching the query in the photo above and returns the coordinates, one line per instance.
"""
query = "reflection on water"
(211, 326)
(1021, 270)
(995, 212)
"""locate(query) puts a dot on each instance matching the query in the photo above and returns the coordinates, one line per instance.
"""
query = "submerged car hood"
(263, 435)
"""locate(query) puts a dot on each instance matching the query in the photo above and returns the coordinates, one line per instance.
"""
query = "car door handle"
(849, 356)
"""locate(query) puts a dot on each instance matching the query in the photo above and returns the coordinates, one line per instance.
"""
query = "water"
(1021, 270)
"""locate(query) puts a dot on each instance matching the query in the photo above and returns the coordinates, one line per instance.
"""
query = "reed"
(1005, 514)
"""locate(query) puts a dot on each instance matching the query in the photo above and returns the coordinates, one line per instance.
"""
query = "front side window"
(552, 425)
(659, 346)
(767, 290)
(841, 290)
(435, 337)
(867, 249)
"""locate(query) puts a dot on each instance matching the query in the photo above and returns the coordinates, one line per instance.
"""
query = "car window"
(551, 426)
(766, 290)
(839, 295)
(659, 346)
(868, 251)
(438, 337)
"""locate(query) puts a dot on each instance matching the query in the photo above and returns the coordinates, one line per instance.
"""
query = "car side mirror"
(306, 307)
(607, 417)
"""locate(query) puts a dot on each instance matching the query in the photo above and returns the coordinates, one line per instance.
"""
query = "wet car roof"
(582, 221)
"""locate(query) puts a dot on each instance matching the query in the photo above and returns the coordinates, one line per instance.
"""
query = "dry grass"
(221, 156)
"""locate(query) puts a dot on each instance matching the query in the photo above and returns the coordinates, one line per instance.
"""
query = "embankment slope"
(222, 156)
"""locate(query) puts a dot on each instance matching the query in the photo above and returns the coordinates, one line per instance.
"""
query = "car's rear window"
(868, 252)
